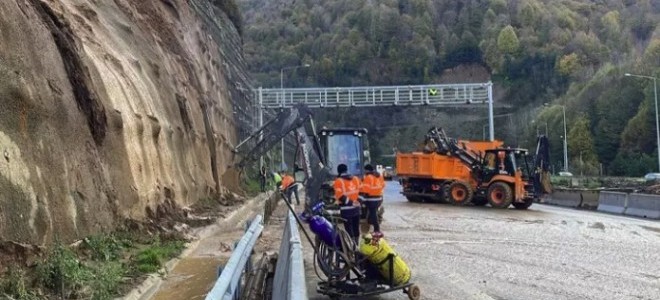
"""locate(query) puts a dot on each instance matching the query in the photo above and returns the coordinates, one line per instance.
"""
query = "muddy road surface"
(545, 252)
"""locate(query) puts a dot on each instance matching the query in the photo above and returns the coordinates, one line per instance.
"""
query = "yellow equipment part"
(377, 252)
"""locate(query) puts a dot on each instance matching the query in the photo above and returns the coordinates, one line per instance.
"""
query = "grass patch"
(16, 286)
(152, 258)
(62, 273)
(106, 247)
(99, 268)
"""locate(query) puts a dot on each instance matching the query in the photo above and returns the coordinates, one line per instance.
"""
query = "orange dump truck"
(461, 172)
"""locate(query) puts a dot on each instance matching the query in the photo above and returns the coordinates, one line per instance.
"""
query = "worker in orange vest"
(371, 194)
(289, 187)
(347, 189)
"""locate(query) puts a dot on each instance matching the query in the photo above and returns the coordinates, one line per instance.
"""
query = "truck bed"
(430, 165)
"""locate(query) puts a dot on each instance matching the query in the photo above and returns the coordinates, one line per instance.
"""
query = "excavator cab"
(504, 162)
(347, 146)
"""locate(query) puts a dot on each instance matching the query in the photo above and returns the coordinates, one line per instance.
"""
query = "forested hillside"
(561, 52)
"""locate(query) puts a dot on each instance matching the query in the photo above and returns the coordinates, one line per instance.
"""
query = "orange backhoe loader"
(478, 172)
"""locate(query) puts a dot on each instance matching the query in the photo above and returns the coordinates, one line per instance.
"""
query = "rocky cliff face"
(110, 108)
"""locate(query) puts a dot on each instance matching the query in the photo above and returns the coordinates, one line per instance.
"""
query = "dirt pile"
(113, 110)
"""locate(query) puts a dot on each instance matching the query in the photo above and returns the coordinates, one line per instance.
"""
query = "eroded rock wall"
(109, 108)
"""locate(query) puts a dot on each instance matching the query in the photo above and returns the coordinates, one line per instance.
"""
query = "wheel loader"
(477, 172)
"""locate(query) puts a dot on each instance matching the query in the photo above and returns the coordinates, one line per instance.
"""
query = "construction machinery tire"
(523, 205)
(414, 199)
(459, 193)
(500, 195)
(479, 201)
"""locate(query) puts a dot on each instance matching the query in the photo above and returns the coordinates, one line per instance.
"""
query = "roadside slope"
(111, 110)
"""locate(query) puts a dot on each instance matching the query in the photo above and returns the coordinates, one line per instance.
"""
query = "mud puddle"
(191, 279)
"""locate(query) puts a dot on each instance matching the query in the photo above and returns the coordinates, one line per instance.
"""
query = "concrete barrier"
(589, 199)
(577, 198)
(643, 205)
(613, 202)
(566, 198)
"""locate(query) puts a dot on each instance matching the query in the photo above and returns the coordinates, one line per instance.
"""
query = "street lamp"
(283, 96)
(563, 109)
(657, 124)
(484, 131)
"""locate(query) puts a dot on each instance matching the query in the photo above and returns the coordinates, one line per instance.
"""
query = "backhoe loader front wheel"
(527, 202)
(500, 195)
(459, 193)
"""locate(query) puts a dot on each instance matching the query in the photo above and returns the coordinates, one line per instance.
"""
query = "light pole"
(283, 97)
(657, 124)
(563, 109)
(484, 131)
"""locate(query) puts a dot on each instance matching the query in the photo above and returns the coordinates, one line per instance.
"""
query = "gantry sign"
(370, 96)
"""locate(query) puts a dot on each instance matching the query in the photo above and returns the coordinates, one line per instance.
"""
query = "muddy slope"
(109, 108)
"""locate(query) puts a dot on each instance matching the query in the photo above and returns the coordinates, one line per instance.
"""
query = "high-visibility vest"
(373, 185)
(349, 187)
(287, 181)
(277, 177)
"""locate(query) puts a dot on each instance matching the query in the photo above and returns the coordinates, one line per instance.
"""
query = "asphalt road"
(545, 252)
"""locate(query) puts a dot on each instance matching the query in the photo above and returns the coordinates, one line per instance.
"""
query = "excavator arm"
(447, 146)
(542, 182)
(309, 157)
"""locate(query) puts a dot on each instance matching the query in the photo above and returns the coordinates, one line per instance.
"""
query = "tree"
(568, 64)
(651, 58)
(581, 145)
(507, 40)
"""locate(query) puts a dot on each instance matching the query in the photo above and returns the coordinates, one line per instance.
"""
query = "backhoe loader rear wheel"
(500, 195)
(459, 193)
(527, 202)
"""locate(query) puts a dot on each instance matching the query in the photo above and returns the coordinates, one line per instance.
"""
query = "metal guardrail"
(228, 285)
(289, 282)
(366, 96)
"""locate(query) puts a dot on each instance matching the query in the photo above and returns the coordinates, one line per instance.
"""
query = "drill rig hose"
(334, 262)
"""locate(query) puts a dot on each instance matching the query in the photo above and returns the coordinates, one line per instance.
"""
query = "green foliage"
(580, 141)
(633, 164)
(568, 64)
(151, 259)
(106, 278)
(105, 247)
(569, 52)
(507, 40)
(15, 286)
(62, 272)
(611, 24)
(93, 271)
(638, 136)
(652, 55)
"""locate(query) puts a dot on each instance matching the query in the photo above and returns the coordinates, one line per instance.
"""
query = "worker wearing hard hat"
(371, 194)
(347, 189)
